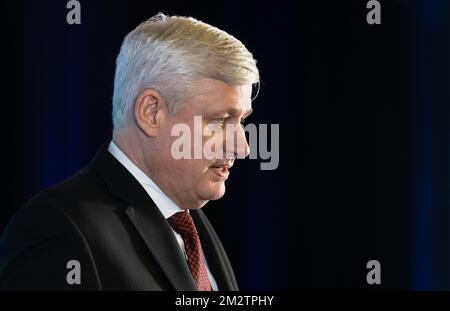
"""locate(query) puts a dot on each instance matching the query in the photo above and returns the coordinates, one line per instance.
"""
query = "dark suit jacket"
(104, 219)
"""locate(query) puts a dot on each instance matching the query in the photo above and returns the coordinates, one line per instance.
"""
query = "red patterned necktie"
(183, 224)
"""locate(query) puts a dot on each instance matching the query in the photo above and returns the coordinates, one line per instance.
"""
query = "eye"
(220, 121)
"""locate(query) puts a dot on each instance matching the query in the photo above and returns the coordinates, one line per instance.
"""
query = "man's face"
(193, 182)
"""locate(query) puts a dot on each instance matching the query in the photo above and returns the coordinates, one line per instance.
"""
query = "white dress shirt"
(166, 206)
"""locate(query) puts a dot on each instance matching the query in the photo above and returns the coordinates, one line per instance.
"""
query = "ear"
(149, 111)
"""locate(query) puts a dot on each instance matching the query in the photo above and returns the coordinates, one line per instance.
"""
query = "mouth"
(221, 170)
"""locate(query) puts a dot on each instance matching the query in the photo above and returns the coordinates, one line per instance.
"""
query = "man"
(132, 219)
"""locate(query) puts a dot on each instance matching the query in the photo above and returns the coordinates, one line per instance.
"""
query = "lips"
(220, 170)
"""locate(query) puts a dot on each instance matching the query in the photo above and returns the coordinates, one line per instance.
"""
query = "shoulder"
(73, 207)
(75, 198)
(48, 231)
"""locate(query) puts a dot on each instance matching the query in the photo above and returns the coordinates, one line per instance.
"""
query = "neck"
(139, 149)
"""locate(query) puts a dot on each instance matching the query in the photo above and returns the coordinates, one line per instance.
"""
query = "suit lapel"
(162, 243)
(146, 217)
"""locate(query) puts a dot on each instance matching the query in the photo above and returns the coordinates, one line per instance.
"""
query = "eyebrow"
(234, 111)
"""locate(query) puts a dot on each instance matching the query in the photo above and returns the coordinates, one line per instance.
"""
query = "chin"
(213, 192)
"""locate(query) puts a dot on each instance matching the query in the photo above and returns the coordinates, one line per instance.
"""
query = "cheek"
(213, 146)
(194, 177)
(196, 173)
(192, 171)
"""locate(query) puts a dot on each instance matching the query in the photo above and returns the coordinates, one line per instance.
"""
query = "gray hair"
(167, 53)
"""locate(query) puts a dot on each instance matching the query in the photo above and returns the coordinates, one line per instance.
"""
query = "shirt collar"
(166, 206)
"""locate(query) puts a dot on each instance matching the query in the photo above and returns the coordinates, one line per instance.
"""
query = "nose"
(236, 142)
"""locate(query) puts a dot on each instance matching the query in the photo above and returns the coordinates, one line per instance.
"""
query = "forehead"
(213, 95)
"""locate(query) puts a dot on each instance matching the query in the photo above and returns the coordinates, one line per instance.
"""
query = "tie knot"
(182, 223)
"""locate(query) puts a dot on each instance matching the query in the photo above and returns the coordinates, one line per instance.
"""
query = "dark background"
(364, 130)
